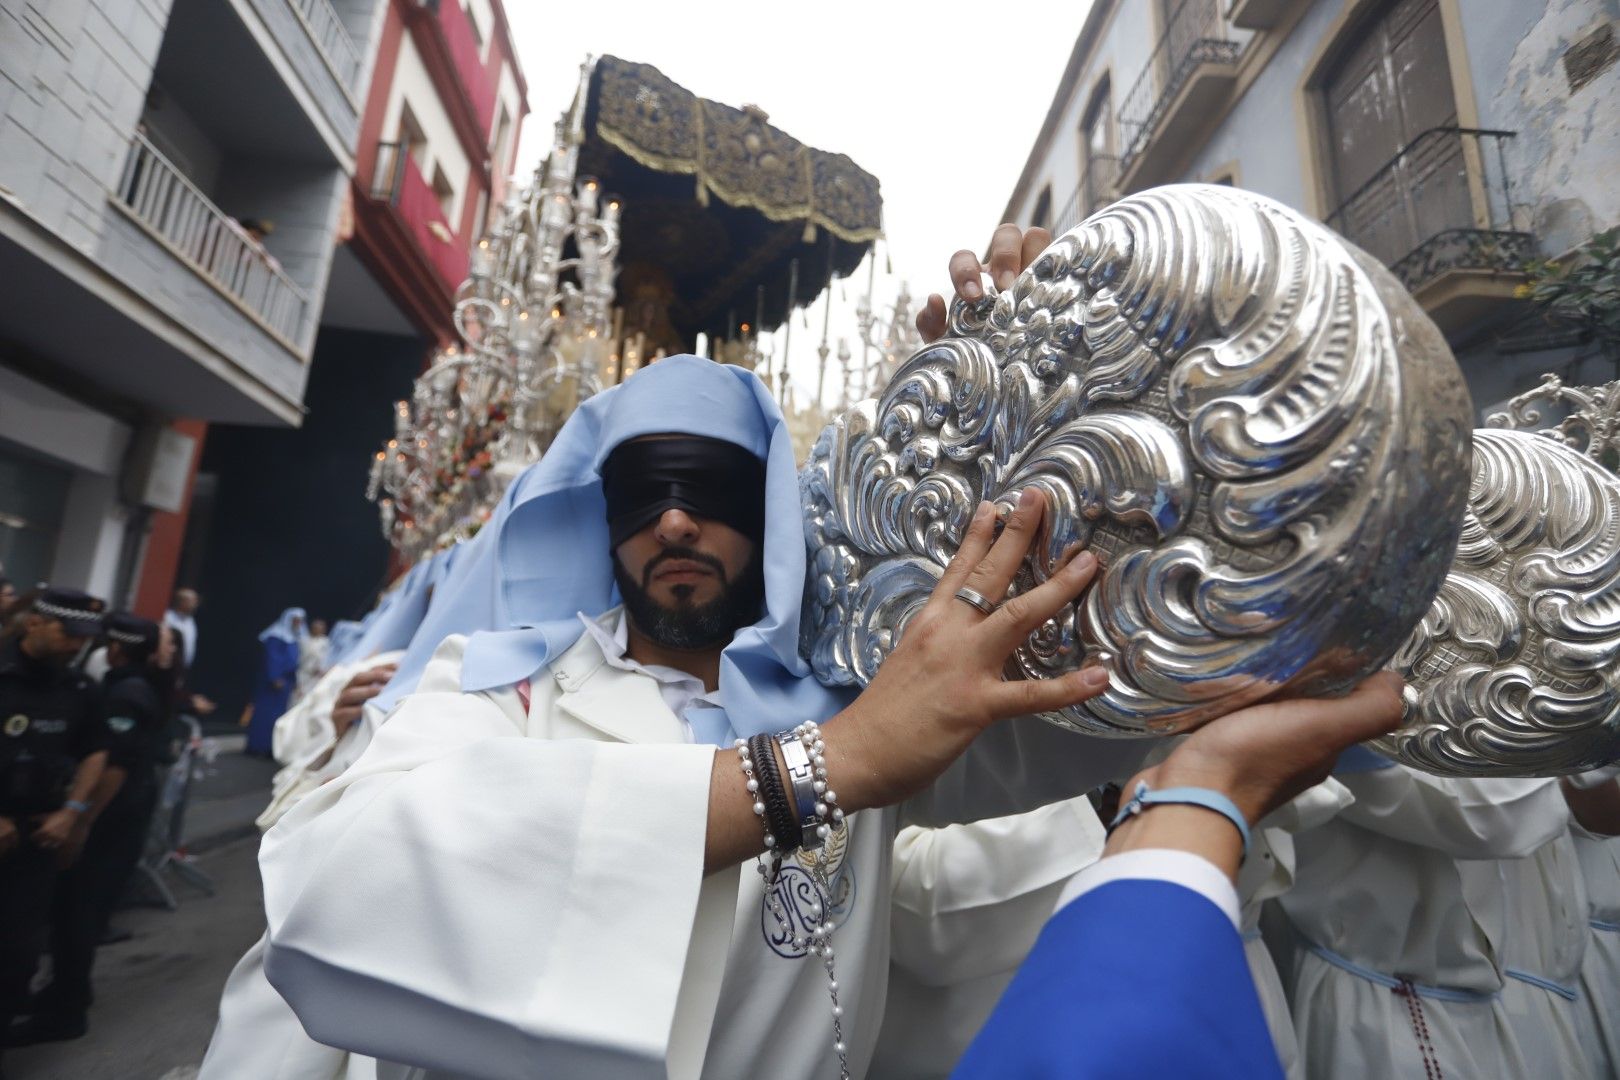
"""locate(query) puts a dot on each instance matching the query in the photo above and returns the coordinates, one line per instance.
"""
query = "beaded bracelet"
(823, 819)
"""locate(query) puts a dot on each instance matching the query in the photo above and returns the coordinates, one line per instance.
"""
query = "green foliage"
(1583, 290)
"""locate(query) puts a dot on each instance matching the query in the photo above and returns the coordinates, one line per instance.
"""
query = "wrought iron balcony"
(1094, 191)
(181, 218)
(1443, 203)
(1196, 42)
(332, 38)
(399, 183)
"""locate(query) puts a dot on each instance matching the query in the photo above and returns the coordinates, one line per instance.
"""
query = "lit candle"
(587, 196)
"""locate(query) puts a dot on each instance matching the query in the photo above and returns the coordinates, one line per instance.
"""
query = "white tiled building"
(1450, 138)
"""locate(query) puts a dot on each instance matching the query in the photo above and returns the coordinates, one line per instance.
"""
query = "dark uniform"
(134, 717)
(50, 721)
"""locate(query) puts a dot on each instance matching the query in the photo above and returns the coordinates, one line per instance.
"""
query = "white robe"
(1266, 874)
(1382, 886)
(307, 726)
(257, 1034)
(312, 653)
(1542, 954)
(969, 902)
(510, 894)
(1600, 970)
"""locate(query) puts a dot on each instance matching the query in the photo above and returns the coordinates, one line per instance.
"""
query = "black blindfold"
(708, 478)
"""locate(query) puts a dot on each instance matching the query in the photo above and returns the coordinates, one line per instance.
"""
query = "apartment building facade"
(437, 140)
(172, 173)
(1452, 139)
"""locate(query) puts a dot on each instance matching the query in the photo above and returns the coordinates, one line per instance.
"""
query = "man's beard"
(687, 625)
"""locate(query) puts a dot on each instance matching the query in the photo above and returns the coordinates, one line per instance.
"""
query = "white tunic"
(257, 1034)
(969, 902)
(1380, 896)
(1542, 954)
(503, 893)
(1600, 970)
(307, 727)
(1267, 873)
(312, 652)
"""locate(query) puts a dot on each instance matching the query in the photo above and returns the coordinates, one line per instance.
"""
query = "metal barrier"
(165, 839)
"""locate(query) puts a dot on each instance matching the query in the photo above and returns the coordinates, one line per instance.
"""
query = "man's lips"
(682, 570)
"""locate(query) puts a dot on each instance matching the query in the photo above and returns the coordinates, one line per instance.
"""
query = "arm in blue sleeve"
(1134, 978)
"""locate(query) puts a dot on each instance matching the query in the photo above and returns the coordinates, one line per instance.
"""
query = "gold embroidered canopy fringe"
(735, 154)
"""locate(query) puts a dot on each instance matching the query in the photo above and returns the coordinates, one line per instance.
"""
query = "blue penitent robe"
(1137, 977)
(280, 665)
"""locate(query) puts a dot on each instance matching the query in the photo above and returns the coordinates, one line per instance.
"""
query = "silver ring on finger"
(976, 599)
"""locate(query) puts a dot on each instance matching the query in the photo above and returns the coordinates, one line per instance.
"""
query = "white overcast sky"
(940, 101)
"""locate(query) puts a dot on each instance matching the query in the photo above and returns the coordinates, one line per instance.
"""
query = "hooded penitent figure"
(278, 673)
(306, 728)
(341, 639)
(510, 881)
(1406, 928)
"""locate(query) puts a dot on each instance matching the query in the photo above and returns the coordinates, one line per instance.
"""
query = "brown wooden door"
(1388, 93)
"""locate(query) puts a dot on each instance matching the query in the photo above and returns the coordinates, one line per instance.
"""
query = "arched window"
(1042, 217)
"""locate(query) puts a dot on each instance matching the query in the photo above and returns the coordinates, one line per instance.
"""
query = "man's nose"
(676, 526)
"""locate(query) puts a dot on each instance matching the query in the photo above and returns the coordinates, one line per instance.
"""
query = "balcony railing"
(169, 207)
(1094, 191)
(1196, 34)
(332, 38)
(1444, 202)
(464, 53)
(400, 184)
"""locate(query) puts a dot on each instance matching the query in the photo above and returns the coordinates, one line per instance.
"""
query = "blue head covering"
(282, 629)
(342, 638)
(402, 610)
(552, 557)
(464, 604)
(467, 601)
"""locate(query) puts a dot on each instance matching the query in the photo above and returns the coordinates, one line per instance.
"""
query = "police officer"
(138, 688)
(52, 752)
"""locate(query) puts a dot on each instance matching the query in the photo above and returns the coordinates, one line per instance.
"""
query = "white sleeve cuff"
(1594, 778)
(1158, 864)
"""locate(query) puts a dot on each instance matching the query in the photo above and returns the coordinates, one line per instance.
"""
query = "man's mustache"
(688, 554)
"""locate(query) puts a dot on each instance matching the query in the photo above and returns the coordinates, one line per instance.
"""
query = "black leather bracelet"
(779, 816)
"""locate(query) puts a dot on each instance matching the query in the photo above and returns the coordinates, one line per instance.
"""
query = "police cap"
(79, 613)
(132, 630)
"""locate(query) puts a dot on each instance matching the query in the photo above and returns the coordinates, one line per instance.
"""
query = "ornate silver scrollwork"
(1514, 669)
(1591, 423)
(1256, 428)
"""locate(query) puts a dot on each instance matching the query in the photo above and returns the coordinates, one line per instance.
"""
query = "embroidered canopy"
(718, 203)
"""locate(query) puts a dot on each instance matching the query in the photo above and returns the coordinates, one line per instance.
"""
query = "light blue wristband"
(78, 806)
(1144, 797)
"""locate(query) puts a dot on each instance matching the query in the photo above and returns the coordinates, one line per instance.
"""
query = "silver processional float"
(1267, 442)
(1257, 429)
